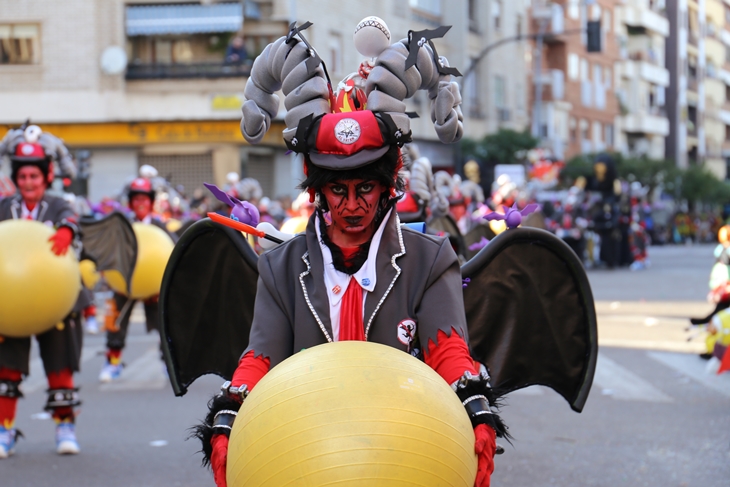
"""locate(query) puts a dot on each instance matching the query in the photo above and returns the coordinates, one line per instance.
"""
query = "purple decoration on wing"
(242, 211)
(512, 216)
(480, 244)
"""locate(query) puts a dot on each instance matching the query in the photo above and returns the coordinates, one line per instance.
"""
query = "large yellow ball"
(355, 414)
(89, 275)
(39, 288)
(154, 247)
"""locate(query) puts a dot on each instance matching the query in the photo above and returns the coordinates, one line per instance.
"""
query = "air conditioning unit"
(504, 114)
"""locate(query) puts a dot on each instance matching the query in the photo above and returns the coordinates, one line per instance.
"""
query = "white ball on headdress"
(232, 177)
(32, 133)
(371, 36)
(148, 172)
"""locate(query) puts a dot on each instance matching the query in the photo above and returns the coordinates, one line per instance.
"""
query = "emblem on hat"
(26, 149)
(347, 131)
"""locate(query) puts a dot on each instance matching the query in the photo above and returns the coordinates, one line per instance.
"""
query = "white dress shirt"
(337, 281)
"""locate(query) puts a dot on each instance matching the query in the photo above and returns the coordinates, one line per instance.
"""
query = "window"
(518, 28)
(471, 90)
(573, 9)
(473, 10)
(335, 57)
(608, 136)
(500, 92)
(584, 130)
(597, 129)
(573, 125)
(595, 12)
(573, 66)
(19, 44)
(597, 74)
(432, 7)
(727, 93)
(583, 70)
(607, 78)
(496, 13)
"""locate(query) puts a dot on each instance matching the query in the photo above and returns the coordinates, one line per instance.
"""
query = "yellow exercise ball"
(352, 413)
(39, 288)
(154, 247)
(89, 275)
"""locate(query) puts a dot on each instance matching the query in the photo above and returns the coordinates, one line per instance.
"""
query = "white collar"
(24, 211)
(366, 276)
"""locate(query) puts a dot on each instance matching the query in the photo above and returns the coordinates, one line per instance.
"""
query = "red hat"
(347, 140)
(141, 186)
(27, 151)
(30, 154)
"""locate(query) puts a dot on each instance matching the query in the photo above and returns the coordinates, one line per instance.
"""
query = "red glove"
(219, 459)
(61, 240)
(485, 446)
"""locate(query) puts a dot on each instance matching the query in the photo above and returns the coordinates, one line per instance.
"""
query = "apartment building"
(574, 105)
(699, 64)
(148, 81)
(642, 78)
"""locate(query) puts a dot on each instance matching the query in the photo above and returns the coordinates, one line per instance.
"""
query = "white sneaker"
(110, 372)
(66, 443)
(7, 441)
(92, 326)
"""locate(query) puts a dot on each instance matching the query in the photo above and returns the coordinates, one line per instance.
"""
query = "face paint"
(31, 185)
(353, 205)
(141, 205)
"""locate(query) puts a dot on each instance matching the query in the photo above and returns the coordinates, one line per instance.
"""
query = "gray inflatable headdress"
(343, 132)
(52, 146)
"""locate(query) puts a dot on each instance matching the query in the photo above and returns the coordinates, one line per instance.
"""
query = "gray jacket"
(52, 210)
(418, 292)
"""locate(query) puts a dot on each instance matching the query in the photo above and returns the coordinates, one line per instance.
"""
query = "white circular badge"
(347, 131)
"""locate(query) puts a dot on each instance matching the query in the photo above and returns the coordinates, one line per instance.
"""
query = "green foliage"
(700, 185)
(503, 147)
(695, 184)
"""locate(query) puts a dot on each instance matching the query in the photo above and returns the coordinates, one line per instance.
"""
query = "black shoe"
(698, 321)
(705, 356)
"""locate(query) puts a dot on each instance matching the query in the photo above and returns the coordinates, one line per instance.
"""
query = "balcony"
(186, 71)
(725, 116)
(638, 16)
(645, 123)
(647, 71)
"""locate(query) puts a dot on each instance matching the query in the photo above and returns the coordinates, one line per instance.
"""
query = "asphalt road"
(654, 417)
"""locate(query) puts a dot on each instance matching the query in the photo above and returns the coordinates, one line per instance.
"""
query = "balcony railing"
(183, 71)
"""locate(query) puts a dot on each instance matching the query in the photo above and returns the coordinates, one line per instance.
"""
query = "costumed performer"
(60, 348)
(141, 197)
(355, 274)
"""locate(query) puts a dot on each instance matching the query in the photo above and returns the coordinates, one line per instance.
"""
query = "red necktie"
(351, 325)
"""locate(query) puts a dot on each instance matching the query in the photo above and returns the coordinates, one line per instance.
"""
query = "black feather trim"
(204, 431)
(482, 387)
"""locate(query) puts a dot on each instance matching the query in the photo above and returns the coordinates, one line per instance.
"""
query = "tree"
(500, 148)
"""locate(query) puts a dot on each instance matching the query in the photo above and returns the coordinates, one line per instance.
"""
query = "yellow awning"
(143, 133)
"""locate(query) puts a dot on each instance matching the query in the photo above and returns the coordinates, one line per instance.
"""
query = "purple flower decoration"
(512, 216)
(479, 245)
(465, 282)
(242, 211)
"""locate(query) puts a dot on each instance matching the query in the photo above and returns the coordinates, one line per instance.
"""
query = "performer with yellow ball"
(154, 247)
(43, 283)
(352, 161)
(348, 348)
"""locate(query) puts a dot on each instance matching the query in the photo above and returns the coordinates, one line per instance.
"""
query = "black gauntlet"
(222, 411)
(480, 402)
